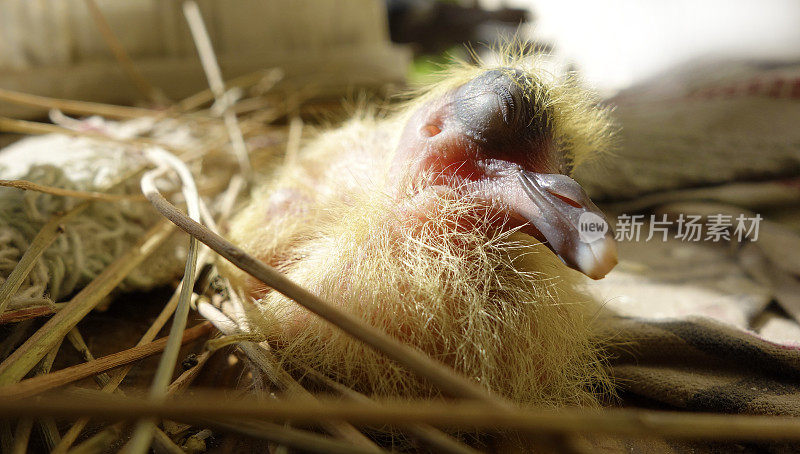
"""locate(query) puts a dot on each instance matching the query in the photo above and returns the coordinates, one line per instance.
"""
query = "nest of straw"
(127, 379)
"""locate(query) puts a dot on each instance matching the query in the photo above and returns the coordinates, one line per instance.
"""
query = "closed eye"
(566, 200)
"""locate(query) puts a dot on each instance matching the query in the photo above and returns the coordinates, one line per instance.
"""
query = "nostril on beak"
(430, 130)
(566, 199)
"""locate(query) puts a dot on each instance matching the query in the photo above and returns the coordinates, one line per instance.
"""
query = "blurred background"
(616, 44)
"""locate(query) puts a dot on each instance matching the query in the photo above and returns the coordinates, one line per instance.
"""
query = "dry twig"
(460, 414)
(42, 383)
(86, 195)
(76, 107)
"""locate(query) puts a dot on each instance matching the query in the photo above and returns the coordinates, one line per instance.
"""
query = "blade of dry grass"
(270, 76)
(214, 75)
(47, 424)
(142, 434)
(22, 436)
(187, 377)
(26, 314)
(124, 60)
(46, 364)
(29, 353)
(99, 442)
(170, 356)
(42, 383)
(455, 414)
(293, 141)
(50, 433)
(6, 437)
(74, 337)
(47, 234)
(294, 438)
(33, 127)
(76, 107)
(86, 195)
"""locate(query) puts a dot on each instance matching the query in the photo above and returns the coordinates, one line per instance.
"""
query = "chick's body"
(377, 218)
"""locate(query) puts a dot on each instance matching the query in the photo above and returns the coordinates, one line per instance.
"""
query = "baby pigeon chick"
(433, 224)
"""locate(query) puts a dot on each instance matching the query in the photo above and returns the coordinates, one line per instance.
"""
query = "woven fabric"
(702, 365)
(96, 236)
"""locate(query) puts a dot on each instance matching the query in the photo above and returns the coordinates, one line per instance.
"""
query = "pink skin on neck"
(436, 156)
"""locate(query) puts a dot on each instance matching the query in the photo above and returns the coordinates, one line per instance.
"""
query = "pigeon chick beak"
(567, 220)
